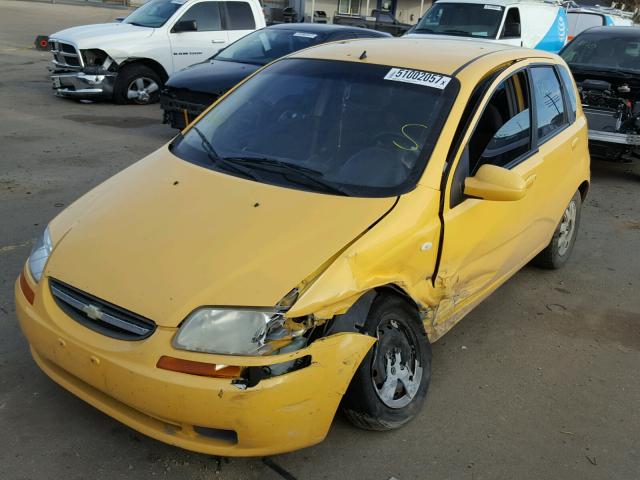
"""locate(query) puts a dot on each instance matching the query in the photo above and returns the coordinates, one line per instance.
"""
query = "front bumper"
(612, 137)
(207, 415)
(83, 85)
(179, 112)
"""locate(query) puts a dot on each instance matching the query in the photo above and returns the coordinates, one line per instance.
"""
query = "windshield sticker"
(480, 34)
(418, 77)
(305, 35)
(492, 7)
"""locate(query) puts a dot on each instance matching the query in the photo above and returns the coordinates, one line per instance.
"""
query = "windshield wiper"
(457, 32)
(273, 164)
(423, 30)
(218, 160)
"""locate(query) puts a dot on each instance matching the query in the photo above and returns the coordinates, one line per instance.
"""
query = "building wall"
(407, 11)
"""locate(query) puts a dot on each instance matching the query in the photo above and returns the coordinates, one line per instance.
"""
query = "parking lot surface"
(540, 381)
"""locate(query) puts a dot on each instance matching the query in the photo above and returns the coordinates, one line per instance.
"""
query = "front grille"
(65, 54)
(99, 315)
(183, 106)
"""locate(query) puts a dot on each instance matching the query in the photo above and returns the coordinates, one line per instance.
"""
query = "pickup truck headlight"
(39, 255)
(227, 331)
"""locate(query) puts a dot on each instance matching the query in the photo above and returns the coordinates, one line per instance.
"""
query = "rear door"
(238, 19)
(188, 48)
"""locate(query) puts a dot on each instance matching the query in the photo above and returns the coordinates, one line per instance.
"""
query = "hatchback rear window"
(335, 127)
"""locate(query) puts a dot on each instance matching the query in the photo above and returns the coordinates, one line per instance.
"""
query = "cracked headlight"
(227, 331)
(39, 255)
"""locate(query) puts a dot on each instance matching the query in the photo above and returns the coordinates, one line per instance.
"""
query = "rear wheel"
(391, 384)
(137, 84)
(556, 254)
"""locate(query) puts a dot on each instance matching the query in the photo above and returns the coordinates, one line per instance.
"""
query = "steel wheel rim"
(141, 89)
(396, 372)
(567, 227)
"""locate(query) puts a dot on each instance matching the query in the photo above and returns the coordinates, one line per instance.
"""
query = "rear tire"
(556, 254)
(390, 386)
(137, 84)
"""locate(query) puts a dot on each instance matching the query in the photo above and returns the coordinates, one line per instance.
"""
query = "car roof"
(619, 31)
(502, 3)
(326, 28)
(432, 53)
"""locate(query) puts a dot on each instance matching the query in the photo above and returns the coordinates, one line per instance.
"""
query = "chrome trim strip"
(101, 316)
(611, 137)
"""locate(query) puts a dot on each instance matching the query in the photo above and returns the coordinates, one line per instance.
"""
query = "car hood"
(213, 76)
(165, 236)
(102, 35)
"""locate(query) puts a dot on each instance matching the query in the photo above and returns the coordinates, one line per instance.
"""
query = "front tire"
(137, 84)
(391, 384)
(556, 254)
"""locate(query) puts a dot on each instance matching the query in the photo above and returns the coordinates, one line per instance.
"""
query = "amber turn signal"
(27, 291)
(198, 368)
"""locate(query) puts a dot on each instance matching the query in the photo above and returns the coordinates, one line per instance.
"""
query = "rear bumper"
(83, 85)
(207, 415)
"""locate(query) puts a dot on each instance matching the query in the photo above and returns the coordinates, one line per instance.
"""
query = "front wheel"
(556, 254)
(137, 84)
(391, 384)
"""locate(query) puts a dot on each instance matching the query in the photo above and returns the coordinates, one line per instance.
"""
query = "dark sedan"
(188, 92)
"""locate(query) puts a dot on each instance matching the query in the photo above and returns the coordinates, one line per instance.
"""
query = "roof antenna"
(364, 55)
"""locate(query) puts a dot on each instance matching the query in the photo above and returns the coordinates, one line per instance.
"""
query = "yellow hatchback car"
(301, 244)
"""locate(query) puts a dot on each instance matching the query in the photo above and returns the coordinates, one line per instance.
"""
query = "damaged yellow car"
(300, 245)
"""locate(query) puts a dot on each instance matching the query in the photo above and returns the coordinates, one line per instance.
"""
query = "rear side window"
(238, 16)
(567, 83)
(548, 101)
(206, 16)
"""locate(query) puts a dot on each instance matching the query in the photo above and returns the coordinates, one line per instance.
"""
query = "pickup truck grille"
(65, 55)
(99, 315)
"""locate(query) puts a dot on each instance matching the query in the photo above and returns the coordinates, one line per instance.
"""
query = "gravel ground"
(540, 381)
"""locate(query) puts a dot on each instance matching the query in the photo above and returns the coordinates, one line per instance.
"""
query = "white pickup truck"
(129, 61)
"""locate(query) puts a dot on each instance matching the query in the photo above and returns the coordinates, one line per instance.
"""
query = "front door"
(486, 241)
(189, 47)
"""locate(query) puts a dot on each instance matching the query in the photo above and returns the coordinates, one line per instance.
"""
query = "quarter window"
(548, 101)
(239, 16)
(206, 16)
(567, 83)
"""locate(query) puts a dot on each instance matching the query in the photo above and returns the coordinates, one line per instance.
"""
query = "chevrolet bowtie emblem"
(93, 312)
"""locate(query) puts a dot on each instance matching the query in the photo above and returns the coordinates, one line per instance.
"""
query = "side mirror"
(185, 26)
(495, 183)
(511, 30)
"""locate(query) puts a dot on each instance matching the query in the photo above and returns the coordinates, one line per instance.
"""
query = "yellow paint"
(165, 237)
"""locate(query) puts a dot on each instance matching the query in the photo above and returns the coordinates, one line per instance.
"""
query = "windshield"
(462, 19)
(328, 126)
(598, 51)
(154, 14)
(266, 45)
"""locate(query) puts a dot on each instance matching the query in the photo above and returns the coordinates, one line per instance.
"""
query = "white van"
(582, 18)
(527, 23)
(130, 60)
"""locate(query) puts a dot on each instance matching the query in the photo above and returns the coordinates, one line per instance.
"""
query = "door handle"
(529, 180)
(218, 41)
(574, 143)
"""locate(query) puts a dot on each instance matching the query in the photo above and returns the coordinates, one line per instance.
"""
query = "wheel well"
(152, 64)
(584, 189)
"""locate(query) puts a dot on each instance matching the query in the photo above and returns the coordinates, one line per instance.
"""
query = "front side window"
(264, 46)
(548, 101)
(327, 126)
(239, 16)
(153, 14)
(503, 133)
(206, 15)
(462, 19)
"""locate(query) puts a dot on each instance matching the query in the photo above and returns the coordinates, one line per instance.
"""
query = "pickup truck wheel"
(137, 84)
(556, 254)
(391, 384)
